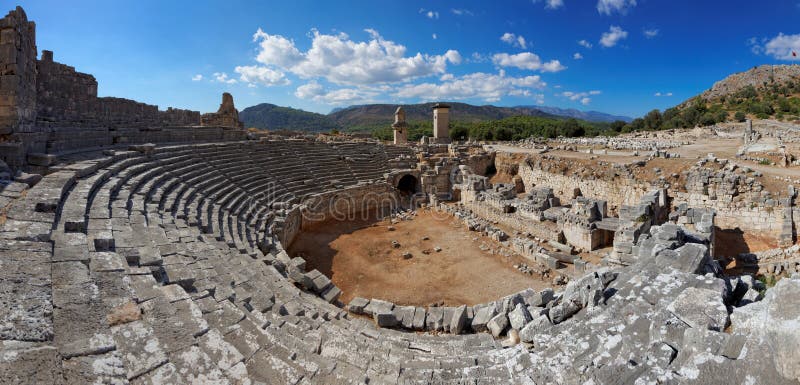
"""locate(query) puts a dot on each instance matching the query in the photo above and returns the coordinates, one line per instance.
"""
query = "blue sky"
(617, 56)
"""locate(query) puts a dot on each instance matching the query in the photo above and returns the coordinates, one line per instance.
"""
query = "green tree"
(652, 121)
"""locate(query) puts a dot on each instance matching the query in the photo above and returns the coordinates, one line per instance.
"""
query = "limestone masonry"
(140, 246)
(48, 108)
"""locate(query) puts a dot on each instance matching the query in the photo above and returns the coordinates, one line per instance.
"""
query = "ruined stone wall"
(545, 230)
(738, 199)
(17, 84)
(49, 107)
(479, 163)
(748, 217)
(617, 192)
(348, 204)
(68, 98)
(739, 202)
(226, 116)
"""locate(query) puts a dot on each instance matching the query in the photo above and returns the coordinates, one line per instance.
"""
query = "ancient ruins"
(160, 247)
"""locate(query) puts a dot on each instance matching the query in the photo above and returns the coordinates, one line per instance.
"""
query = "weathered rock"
(29, 179)
(774, 321)
(519, 317)
(498, 324)
(482, 318)
(459, 320)
(700, 308)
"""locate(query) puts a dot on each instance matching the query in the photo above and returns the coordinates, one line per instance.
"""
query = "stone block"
(357, 305)
(458, 320)
(39, 159)
(385, 319)
(498, 325)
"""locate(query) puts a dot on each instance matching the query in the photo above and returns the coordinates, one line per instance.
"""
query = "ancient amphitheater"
(145, 246)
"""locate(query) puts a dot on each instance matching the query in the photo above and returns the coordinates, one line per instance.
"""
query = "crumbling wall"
(68, 98)
(736, 196)
(738, 199)
(17, 86)
(226, 116)
(49, 107)
(348, 204)
(617, 192)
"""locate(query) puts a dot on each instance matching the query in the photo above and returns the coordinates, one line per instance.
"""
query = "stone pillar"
(441, 123)
(17, 83)
(748, 129)
(400, 127)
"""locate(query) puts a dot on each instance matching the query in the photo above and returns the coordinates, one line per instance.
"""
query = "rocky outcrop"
(773, 323)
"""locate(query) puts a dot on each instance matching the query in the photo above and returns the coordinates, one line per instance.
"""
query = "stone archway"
(408, 184)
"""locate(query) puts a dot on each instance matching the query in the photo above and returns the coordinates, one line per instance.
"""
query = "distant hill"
(766, 80)
(763, 92)
(590, 116)
(370, 117)
(272, 117)
(373, 115)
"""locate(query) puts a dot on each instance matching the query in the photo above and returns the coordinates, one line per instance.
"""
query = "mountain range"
(270, 116)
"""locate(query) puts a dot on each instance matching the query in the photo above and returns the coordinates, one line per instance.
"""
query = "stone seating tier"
(141, 269)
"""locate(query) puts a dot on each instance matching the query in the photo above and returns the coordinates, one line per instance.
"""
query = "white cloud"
(584, 43)
(577, 56)
(477, 58)
(607, 7)
(434, 36)
(340, 60)
(782, 46)
(429, 14)
(488, 87)
(309, 90)
(582, 97)
(527, 61)
(651, 33)
(613, 36)
(553, 66)
(261, 75)
(276, 49)
(514, 40)
(197, 78)
(461, 12)
(551, 4)
(222, 77)
(659, 94)
(342, 96)
(756, 45)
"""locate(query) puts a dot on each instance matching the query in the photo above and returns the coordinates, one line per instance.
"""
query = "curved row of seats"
(165, 269)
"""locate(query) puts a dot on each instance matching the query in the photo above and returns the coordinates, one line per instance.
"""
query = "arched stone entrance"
(408, 185)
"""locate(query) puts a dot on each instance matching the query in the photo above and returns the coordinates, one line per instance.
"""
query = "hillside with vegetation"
(510, 128)
(271, 117)
(764, 92)
(372, 117)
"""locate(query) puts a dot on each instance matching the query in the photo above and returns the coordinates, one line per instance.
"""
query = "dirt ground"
(359, 258)
(730, 243)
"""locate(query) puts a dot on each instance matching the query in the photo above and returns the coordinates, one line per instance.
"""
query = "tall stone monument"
(441, 123)
(400, 126)
(226, 116)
